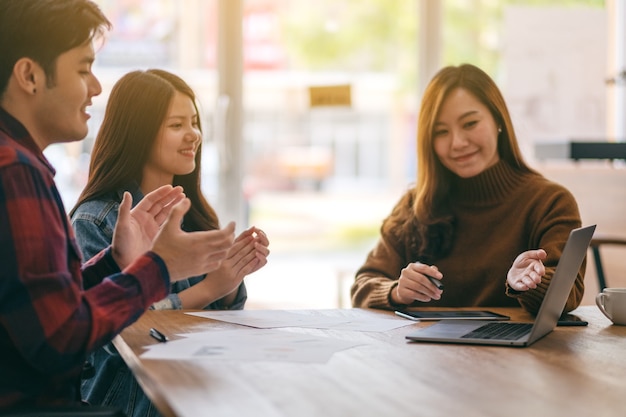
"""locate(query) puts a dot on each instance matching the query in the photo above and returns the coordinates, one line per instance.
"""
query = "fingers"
(124, 209)
(215, 256)
(248, 254)
(413, 283)
(161, 201)
(248, 258)
(239, 244)
(262, 261)
(160, 197)
(535, 254)
(524, 283)
(528, 257)
(261, 237)
(431, 273)
(248, 241)
(531, 277)
(217, 240)
(527, 270)
(255, 233)
(216, 245)
(164, 211)
(247, 264)
(176, 214)
(249, 233)
(409, 291)
(158, 194)
(189, 254)
(261, 250)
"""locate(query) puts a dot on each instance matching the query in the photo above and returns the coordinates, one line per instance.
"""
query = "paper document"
(248, 344)
(350, 319)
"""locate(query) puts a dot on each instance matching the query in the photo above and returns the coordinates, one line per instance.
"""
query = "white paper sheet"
(350, 319)
(249, 345)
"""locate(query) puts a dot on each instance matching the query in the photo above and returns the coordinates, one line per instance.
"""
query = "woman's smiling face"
(465, 135)
(175, 149)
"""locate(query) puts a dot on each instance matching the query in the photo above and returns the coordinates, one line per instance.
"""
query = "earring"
(499, 130)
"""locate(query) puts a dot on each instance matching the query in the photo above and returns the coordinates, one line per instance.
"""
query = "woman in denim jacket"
(151, 136)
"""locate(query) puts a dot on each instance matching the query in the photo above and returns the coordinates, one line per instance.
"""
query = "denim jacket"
(114, 384)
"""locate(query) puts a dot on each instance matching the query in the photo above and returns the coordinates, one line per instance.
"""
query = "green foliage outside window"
(381, 35)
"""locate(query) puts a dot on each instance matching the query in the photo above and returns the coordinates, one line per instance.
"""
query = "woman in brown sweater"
(478, 219)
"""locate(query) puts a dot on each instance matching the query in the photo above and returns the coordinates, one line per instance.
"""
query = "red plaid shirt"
(48, 321)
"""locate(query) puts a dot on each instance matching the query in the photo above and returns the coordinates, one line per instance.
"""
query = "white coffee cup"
(612, 302)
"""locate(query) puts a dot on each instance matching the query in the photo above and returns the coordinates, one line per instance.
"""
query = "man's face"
(61, 110)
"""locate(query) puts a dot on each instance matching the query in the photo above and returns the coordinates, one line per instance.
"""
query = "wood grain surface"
(573, 371)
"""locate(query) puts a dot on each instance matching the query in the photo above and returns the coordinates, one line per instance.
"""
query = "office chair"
(596, 243)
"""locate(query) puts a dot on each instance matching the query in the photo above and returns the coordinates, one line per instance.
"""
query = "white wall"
(555, 61)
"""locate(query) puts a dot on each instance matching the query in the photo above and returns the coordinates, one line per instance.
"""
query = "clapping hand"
(248, 254)
(188, 254)
(136, 229)
(154, 224)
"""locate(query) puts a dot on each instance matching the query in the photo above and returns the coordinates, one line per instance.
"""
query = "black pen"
(435, 281)
(158, 335)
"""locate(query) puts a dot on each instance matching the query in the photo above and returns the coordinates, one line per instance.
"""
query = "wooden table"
(573, 371)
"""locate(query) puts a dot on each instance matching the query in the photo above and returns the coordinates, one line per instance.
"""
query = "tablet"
(452, 314)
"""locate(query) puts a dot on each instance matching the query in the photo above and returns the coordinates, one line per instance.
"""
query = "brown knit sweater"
(498, 214)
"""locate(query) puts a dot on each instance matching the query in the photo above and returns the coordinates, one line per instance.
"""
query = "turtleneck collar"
(489, 187)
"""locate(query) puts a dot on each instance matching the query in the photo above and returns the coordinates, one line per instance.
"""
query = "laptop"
(479, 332)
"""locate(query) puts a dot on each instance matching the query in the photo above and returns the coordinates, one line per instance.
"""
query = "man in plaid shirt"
(48, 321)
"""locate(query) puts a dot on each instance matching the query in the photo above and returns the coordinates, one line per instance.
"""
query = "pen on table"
(435, 281)
(158, 335)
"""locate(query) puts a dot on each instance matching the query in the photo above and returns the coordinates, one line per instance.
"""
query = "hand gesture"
(413, 284)
(527, 270)
(255, 242)
(188, 254)
(136, 229)
(247, 255)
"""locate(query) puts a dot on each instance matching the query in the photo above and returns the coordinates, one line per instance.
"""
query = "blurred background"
(319, 176)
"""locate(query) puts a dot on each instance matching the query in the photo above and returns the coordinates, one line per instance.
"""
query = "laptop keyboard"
(503, 331)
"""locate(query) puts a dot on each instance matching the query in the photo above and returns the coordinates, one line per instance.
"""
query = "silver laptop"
(514, 333)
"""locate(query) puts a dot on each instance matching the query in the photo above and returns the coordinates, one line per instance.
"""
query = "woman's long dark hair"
(136, 109)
